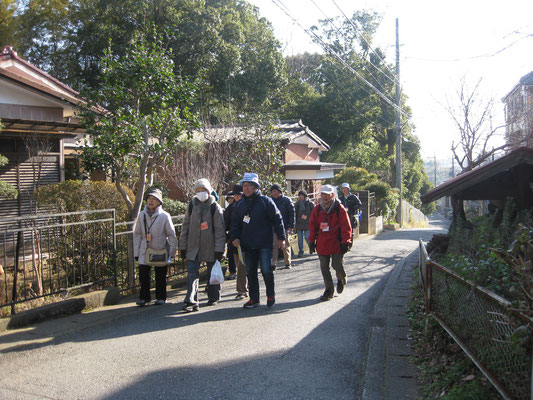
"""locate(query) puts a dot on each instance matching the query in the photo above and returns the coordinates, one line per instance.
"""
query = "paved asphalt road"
(299, 349)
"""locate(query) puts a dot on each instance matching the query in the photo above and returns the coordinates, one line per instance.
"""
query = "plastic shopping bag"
(217, 276)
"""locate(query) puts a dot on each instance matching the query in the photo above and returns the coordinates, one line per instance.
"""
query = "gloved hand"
(183, 254)
(344, 248)
(273, 267)
(219, 255)
(312, 248)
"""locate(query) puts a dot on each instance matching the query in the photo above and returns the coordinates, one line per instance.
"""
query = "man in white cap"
(254, 219)
(330, 233)
(153, 230)
(351, 202)
(202, 239)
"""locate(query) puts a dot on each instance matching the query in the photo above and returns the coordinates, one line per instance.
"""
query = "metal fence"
(51, 254)
(493, 335)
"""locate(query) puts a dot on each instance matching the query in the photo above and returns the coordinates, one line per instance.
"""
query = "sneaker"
(287, 266)
(189, 307)
(251, 304)
(141, 303)
(212, 303)
(340, 287)
(326, 296)
(232, 277)
(158, 302)
(241, 296)
(271, 301)
(300, 255)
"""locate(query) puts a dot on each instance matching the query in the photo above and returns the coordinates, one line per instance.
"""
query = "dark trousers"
(337, 262)
(160, 282)
(232, 250)
(259, 258)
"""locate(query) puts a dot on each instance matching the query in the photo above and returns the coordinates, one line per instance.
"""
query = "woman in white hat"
(154, 231)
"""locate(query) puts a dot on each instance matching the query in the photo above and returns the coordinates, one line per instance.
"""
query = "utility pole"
(398, 126)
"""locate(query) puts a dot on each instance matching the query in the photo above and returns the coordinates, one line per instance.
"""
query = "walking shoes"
(251, 304)
(190, 307)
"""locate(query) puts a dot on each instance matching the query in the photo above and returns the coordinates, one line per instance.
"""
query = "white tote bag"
(217, 276)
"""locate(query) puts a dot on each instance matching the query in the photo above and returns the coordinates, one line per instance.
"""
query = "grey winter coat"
(302, 224)
(203, 242)
(161, 230)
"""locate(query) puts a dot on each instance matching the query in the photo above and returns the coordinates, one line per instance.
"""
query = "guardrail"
(492, 334)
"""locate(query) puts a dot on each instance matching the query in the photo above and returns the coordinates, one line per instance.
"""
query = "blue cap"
(252, 178)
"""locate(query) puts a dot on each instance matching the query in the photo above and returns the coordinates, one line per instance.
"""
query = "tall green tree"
(8, 24)
(136, 115)
(350, 115)
(223, 44)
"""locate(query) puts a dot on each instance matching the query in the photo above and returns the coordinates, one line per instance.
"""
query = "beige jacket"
(161, 229)
(203, 243)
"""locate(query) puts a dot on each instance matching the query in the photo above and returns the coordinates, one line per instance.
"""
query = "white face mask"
(202, 196)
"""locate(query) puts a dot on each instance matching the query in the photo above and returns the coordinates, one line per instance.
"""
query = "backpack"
(212, 207)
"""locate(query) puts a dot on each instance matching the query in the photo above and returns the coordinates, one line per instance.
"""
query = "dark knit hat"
(275, 186)
(237, 190)
(303, 193)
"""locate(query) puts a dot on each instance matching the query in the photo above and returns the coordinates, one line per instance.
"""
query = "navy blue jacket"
(351, 203)
(286, 208)
(265, 219)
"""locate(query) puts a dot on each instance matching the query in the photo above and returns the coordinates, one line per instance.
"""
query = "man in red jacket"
(330, 233)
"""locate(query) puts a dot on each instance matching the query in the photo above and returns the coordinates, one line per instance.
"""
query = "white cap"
(345, 185)
(327, 189)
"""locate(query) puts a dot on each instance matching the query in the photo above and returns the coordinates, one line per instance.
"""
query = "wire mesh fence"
(494, 335)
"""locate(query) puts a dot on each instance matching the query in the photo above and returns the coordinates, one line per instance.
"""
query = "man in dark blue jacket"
(286, 208)
(252, 222)
(351, 202)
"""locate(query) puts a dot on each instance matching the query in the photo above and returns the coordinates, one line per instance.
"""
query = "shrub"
(355, 176)
(174, 207)
(72, 196)
(387, 199)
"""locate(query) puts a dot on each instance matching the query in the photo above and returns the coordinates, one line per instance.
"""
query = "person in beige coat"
(154, 226)
(202, 239)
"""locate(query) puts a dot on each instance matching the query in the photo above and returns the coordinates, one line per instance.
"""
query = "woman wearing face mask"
(202, 239)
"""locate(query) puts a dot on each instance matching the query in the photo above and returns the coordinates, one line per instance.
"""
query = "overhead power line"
(327, 48)
(331, 20)
(364, 39)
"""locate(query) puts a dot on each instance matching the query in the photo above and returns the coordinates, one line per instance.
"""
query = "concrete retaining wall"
(412, 216)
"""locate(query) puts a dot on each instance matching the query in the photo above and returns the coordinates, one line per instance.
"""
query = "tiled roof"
(17, 70)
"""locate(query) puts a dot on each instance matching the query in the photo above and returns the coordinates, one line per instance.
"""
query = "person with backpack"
(303, 209)
(252, 223)
(286, 208)
(351, 202)
(231, 250)
(202, 239)
(330, 234)
(154, 244)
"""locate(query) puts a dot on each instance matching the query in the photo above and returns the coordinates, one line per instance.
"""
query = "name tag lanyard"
(147, 230)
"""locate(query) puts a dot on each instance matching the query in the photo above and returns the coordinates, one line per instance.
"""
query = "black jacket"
(286, 208)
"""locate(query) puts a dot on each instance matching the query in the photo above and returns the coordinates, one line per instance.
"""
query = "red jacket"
(329, 230)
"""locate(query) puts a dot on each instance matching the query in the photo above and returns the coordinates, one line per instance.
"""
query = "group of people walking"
(254, 228)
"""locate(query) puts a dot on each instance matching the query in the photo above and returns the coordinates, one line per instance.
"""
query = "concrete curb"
(376, 369)
(77, 304)
(71, 306)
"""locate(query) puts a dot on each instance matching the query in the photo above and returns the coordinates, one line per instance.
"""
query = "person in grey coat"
(303, 209)
(202, 239)
(154, 225)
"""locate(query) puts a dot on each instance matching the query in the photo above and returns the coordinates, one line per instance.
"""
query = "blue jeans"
(263, 258)
(193, 278)
(301, 240)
